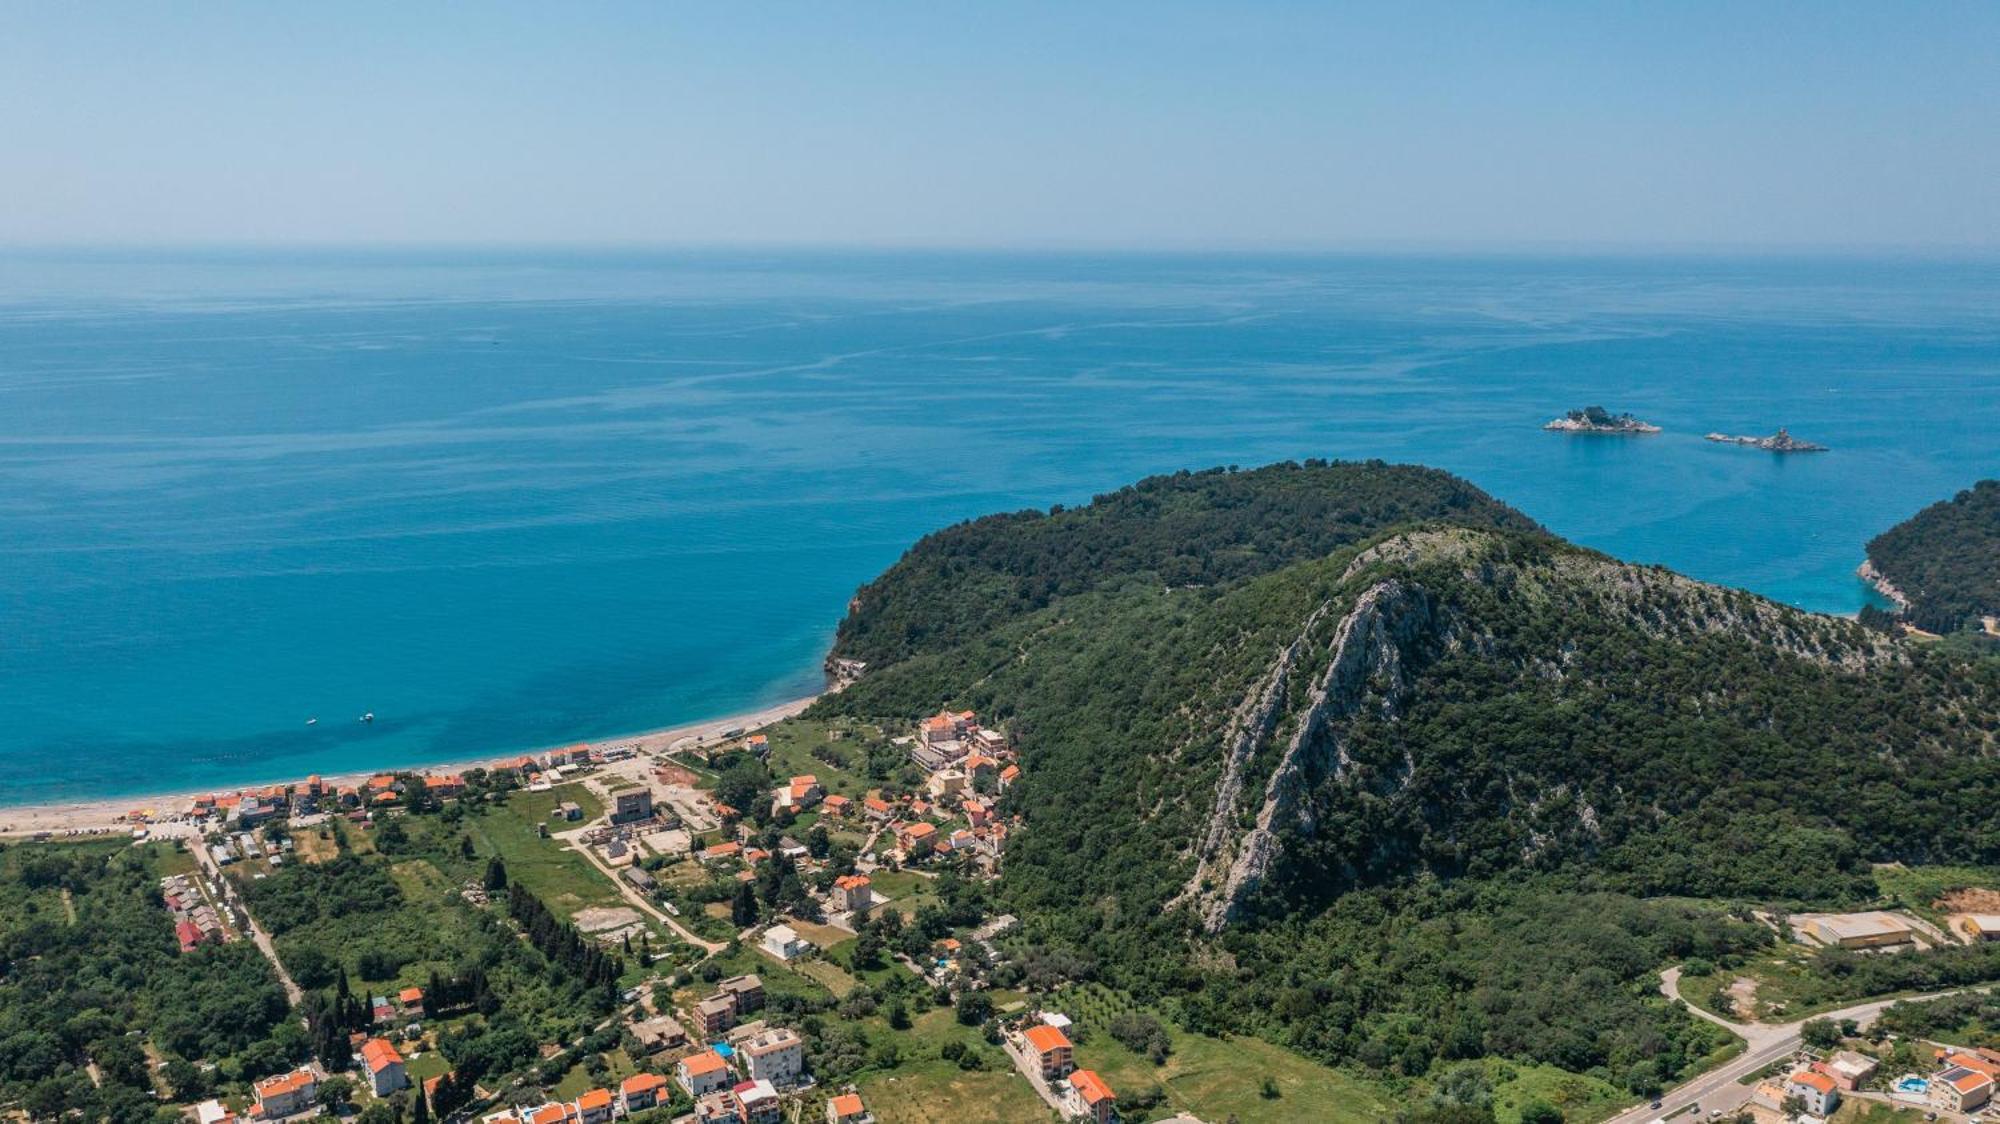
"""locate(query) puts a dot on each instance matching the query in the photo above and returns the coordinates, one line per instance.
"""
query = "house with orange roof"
(703, 1073)
(846, 1108)
(755, 854)
(1091, 1098)
(1008, 776)
(1960, 1089)
(287, 1094)
(916, 839)
(384, 1066)
(641, 1091)
(445, 787)
(411, 997)
(1051, 1050)
(851, 892)
(1820, 1094)
(837, 805)
(759, 744)
(877, 808)
(721, 851)
(555, 1112)
(594, 1107)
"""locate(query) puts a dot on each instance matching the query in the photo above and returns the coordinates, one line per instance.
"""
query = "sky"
(1765, 125)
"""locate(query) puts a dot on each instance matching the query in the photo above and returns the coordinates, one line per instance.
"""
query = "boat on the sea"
(1779, 442)
(1597, 419)
(368, 717)
(312, 721)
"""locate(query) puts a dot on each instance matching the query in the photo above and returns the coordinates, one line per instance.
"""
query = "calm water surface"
(506, 501)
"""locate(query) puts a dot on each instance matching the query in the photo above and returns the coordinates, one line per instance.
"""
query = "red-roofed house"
(287, 1094)
(641, 1091)
(411, 997)
(594, 1107)
(703, 1073)
(916, 839)
(839, 805)
(1093, 1098)
(847, 1109)
(384, 1066)
(877, 808)
(1816, 1089)
(1051, 1049)
(1959, 1089)
(851, 892)
(1008, 776)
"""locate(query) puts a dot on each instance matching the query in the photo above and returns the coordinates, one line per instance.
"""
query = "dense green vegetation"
(1537, 739)
(1186, 529)
(88, 954)
(1946, 559)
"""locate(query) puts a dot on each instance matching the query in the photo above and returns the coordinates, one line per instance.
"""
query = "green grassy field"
(930, 1091)
(793, 741)
(1860, 1112)
(563, 879)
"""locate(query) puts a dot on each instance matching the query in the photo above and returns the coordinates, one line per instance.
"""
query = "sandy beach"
(112, 814)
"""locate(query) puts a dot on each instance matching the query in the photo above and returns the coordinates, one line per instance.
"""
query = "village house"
(412, 998)
(384, 1066)
(1816, 1090)
(759, 1102)
(1008, 776)
(721, 851)
(555, 1112)
(718, 1108)
(641, 1091)
(445, 787)
(1848, 1069)
(746, 991)
(714, 1015)
(940, 739)
(703, 1073)
(800, 793)
(287, 1094)
(784, 942)
(757, 744)
(777, 1056)
(661, 1032)
(851, 892)
(1051, 1050)
(213, 1112)
(838, 806)
(847, 1109)
(916, 839)
(1090, 1098)
(876, 808)
(945, 783)
(594, 1107)
(1960, 1089)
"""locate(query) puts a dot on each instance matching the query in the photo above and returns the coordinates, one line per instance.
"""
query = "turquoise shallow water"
(505, 501)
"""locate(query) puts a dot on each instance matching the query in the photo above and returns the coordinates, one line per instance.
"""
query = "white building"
(783, 942)
(777, 1056)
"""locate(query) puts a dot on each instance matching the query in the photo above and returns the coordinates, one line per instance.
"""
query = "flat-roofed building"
(1861, 930)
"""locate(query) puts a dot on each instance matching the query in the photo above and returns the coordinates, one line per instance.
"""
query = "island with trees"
(1597, 419)
(1941, 566)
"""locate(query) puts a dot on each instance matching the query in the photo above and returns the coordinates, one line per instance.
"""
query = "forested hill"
(1946, 558)
(1337, 770)
(1189, 528)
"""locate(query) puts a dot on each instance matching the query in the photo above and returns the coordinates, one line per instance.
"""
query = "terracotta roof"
(550, 1114)
(851, 881)
(1045, 1038)
(594, 1098)
(847, 1104)
(919, 830)
(285, 1083)
(378, 1054)
(1813, 1080)
(641, 1082)
(1091, 1087)
(410, 995)
(1965, 1081)
(708, 1061)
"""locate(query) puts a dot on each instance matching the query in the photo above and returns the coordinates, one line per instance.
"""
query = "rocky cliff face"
(1413, 603)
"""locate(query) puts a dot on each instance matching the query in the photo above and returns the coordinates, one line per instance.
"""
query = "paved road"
(257, 934)
(631, 894)
(1766, 1043)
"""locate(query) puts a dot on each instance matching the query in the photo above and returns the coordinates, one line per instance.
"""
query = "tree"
(898, 1015)
(743, 908)
(1820, 1034)
(974, 1007)
(1540, 1112)
(496, 875)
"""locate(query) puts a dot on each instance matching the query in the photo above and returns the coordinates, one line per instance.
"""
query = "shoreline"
(114, 812)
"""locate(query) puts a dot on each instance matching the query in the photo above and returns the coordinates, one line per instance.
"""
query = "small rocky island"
(1597, 419)
(1779, 442)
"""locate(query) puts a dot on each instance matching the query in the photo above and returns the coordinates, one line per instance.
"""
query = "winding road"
(1721, 1088)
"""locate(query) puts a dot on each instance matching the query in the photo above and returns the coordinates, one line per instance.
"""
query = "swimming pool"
(1916, 1086)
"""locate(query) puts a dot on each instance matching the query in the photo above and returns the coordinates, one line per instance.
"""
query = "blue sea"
(509, 500)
